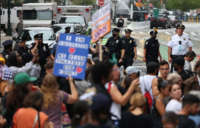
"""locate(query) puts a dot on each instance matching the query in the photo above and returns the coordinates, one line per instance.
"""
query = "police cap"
(153, 33)
(38, 36)
(128, 30)
(67, 28)
(115, 30)
(7, 43)
(180, 26)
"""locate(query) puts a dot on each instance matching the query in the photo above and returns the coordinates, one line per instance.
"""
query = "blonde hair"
(174, 78)
(137, 100)
(50, 90)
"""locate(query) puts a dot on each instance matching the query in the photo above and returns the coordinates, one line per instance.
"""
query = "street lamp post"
(9, 32)
(115, 8)
(0, 23)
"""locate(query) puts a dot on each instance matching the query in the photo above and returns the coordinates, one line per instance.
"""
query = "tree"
(183, 5)
(83, 2)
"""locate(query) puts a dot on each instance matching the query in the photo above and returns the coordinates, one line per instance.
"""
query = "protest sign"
(101, 23)
(71, 56)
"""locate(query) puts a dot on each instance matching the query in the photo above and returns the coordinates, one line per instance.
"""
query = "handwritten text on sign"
(71, 56)
(101, 23)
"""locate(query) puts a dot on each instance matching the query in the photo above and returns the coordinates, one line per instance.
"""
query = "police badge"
(117, 41)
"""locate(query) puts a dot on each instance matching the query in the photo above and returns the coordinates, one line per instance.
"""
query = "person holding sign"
(129, 51)
(54, 98)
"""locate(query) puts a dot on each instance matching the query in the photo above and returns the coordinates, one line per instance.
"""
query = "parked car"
(161, 21)
(77, 20)
(60, 28)
(174, 20)
(29, 33)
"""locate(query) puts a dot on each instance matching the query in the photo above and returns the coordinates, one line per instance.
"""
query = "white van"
(15, 15)
(39, 14)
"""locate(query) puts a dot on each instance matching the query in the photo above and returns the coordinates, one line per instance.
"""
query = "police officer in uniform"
(151, 49)
(179, 45)
(24, 51)
(67, 30)
(40, 49)
(113, 46)
(7, 48)
(129, 51)
(120, 22)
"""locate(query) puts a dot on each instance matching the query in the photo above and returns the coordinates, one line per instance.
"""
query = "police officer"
(40, 49)
(113, 46)
(129, 51)
(23, 50)
(7, 48)
(179, 45)
(120, 22)
(67, 30)
(151, 48)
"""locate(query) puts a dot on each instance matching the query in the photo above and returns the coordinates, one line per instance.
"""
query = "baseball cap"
(131, 69)
(179, 61)
(7, 43)
(100, 101)
(23, 78)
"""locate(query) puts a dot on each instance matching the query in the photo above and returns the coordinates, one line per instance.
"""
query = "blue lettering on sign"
(100, 32)
(71, 56)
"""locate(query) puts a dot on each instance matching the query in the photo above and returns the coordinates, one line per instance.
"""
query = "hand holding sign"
(71, 56)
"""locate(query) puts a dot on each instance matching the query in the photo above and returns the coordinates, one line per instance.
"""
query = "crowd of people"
(113, 94)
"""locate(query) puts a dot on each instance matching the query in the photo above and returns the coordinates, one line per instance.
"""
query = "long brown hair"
(50, 90)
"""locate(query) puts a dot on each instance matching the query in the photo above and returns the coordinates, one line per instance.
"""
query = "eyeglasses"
(164, 68)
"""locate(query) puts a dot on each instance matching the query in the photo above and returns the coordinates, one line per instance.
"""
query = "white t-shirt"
(115, 108)
(198, 79)
(174, 106)
(180, 49)
(187, 66)
(146, 84)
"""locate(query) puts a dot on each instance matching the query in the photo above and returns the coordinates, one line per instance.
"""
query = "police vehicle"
(29, 33)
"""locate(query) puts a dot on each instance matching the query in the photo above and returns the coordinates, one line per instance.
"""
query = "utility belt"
(176, 56)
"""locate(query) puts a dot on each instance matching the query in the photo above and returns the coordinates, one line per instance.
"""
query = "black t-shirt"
(133, 121)
(152, 48)
(185, 122)
(128, 44)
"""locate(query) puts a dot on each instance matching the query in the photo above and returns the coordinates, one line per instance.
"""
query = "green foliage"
(83, 2)
(183, 5)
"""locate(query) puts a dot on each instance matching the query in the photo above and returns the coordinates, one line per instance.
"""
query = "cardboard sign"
(101, 23)
(71, 56)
